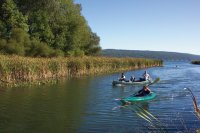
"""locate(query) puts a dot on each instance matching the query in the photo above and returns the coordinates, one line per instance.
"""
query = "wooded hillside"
(149, 54)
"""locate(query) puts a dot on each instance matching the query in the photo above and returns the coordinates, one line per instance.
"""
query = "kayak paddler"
(144, 91)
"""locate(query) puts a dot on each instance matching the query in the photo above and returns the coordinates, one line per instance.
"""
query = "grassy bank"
(197, 62)
(16, 69)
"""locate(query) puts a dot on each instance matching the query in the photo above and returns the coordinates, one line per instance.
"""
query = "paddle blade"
(118, 99)
(155, 81)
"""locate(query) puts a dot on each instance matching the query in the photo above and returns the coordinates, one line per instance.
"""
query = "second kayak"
(134, 98)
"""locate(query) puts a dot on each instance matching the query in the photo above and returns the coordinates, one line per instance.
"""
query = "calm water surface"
(88, 104)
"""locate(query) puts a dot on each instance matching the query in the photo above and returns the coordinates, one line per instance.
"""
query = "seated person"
(132, 78)
(144, 91)
(146, 77)
(122, 78)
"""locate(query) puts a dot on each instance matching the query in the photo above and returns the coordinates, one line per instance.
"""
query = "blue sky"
(158, 25)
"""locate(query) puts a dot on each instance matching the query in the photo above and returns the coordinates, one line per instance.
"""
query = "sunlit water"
(88, 104)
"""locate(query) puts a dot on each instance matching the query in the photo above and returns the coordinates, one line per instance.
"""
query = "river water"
(89, 105)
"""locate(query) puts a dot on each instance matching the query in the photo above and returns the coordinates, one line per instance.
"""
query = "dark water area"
(88, 105)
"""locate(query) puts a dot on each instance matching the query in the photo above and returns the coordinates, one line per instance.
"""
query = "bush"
(2, 30)
(12, 47)
(3, 43)
(57, 53)
(39, 49)
(75, 53)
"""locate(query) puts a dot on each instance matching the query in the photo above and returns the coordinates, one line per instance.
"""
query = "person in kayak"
(122, 78)
(146, 76)
(132, 78)
(144, 91)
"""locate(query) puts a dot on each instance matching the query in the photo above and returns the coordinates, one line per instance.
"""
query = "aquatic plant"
(197, 110)
(15, 69)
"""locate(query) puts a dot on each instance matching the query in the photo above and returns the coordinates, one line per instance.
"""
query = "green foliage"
(39, 49)
(39, 27)
(93, 47)
(13, 47)
(57, 53)
(3, 43)
(2, 29)
(76, 52)
(12, 17)
(18, 44)
(45, 28)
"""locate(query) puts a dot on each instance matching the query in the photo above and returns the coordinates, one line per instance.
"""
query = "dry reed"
(15, 69)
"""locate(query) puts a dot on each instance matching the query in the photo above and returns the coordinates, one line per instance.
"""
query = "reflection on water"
(54, 108)
(86, 104)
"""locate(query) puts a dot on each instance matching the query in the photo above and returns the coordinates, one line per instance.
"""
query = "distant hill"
(150, 54)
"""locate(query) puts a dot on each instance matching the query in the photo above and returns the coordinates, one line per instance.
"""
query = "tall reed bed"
(14, 69)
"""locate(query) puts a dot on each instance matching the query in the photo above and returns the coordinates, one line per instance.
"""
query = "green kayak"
(134, 98)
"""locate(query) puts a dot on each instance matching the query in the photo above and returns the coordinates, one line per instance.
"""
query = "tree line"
(45, 28)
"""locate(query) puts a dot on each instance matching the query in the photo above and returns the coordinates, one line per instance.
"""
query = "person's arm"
(140, 91)
(149, 90)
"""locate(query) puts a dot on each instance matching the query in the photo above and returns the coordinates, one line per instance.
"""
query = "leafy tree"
(2, 29)
(39, 49)
(40, 28)
(19, 43)
(93, 47)
(22, 38)
(11, 16)
(45, 28)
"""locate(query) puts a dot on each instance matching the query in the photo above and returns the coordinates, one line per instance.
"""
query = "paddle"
(155, 81)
